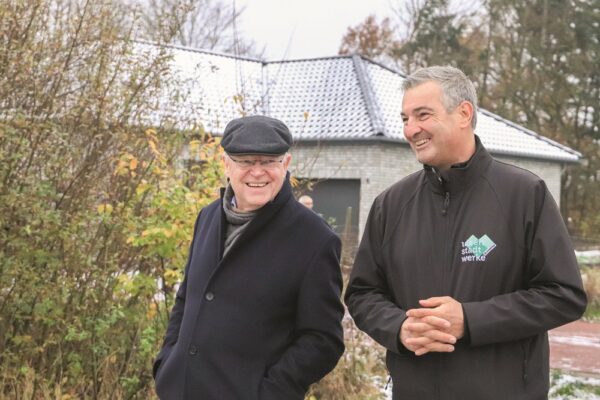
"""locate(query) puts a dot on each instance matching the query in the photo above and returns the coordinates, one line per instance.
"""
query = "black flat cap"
(256, 134)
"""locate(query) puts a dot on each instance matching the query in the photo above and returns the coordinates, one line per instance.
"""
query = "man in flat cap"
(258, 314)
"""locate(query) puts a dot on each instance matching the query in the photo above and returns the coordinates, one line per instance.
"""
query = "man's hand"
(442, 307)
(422, 336)
(434, 328)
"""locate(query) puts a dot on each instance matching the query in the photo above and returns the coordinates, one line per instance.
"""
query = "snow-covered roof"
(332, 98)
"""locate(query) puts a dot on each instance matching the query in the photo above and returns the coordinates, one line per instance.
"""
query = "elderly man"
(464, 266)
(258, 314)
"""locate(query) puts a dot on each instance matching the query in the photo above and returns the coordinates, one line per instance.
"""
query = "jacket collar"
(459, 176)
(262, 217)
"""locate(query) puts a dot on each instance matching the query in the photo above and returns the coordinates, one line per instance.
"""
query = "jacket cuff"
(466, 339)
(401, 349)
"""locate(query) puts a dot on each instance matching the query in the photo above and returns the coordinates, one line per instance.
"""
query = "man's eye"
(247, 163)
(423, 115)
(267, 162)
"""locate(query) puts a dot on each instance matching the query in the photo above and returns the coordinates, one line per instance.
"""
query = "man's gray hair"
(456, 87)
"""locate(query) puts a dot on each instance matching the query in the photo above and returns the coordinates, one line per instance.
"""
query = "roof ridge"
(366, 88)
(384, 66)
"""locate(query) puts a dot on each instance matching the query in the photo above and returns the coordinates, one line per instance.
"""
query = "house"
(344, 113)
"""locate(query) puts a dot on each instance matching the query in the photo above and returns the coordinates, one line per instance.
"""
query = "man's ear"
(226, 165)
(287, 160)
(466, 112)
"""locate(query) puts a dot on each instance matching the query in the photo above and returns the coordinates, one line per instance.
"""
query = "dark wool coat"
(489, 235)
(263, 322)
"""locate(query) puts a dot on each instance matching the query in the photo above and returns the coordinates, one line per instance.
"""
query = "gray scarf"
(237, 221)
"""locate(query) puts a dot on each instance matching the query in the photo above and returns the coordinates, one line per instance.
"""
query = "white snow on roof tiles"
(219, 88)
(324, 99)
(387, 86)
(499, 136)
(318, 99)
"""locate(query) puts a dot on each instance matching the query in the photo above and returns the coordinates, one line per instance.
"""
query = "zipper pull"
(446, 204)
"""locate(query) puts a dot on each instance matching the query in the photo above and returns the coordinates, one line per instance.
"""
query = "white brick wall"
(379, 164)
(376, 164)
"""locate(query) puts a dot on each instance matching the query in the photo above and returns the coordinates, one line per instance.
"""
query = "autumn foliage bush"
(96, 208)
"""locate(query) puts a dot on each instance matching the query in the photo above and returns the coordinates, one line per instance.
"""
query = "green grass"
(592, 313)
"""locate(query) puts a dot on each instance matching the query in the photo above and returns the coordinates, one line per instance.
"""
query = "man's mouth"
(257, 185)
(422, 142)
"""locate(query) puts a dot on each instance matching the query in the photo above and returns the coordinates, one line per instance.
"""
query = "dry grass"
(360, 373)
(591, 284)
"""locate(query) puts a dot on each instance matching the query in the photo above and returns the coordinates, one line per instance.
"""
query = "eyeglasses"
(268, 163)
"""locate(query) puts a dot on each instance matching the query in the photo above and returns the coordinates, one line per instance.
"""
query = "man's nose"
(410, 128)
(257, 169)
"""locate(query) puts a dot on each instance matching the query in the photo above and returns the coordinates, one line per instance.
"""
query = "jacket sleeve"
(176, 315)
(368, 295)
(319, 340)
(553, 293)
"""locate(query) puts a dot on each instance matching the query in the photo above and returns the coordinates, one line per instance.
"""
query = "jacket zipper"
(447, 245)
(446, 204)
(448, 251)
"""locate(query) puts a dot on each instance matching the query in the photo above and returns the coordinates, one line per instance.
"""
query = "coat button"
(193, 350)
(209, 296)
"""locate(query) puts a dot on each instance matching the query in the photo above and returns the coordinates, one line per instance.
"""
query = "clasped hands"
(433, 328)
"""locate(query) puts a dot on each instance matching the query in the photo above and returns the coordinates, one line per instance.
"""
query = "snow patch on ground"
(567, 387)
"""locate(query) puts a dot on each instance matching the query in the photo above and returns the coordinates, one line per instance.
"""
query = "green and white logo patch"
(477, 249)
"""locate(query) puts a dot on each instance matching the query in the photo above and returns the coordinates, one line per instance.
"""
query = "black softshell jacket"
(489, 235)
(261, 323)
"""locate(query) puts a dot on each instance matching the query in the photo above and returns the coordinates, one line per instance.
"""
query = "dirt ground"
(575, 347)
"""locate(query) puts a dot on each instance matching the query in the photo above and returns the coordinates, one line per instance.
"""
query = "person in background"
(464, 266)
(306, 201)
(258, 314)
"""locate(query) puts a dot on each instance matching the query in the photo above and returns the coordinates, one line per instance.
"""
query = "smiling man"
(465, 265)
(258, 314)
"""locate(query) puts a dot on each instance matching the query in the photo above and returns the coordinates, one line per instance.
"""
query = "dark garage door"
(331, 199)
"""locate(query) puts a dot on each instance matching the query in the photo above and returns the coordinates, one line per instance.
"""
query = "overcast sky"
(291, 29)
